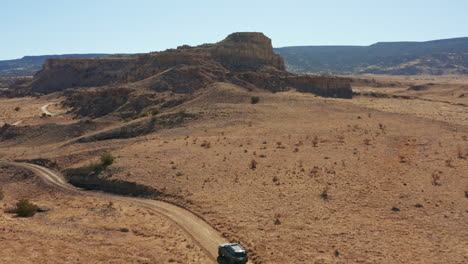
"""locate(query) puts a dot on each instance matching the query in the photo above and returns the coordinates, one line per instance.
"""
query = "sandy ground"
(86, 230)
(385, 182)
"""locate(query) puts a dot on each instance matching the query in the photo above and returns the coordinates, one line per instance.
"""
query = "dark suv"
(232, 253)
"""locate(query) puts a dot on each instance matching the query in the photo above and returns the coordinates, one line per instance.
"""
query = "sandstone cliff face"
(244, 59)
(247, 52)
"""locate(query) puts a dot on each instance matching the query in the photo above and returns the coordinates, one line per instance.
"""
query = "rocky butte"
(244, 59)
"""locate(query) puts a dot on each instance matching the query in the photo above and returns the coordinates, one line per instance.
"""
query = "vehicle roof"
(234, 246)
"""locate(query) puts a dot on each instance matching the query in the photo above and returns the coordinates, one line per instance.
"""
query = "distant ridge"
(436, 57)
(29, 65)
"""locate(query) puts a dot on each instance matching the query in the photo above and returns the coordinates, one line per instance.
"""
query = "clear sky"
(39, 27)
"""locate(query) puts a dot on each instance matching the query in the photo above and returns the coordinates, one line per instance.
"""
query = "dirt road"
(202, 233)
(45, 111)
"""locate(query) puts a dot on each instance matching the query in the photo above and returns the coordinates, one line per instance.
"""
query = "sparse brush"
(382, 127)
(402, 159)
(1, 194)
(254, 99)
(205, 144)
(448, 163)
(460, 153)
(367, 142)
(341, 139)
(107, 159)
(96, 167)
(325, 196)
(25, 208)
(253, 164)
(435, 179)
(154, 112)
(315, 141)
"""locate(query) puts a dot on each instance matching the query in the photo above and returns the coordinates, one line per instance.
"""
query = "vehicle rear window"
(240, 254)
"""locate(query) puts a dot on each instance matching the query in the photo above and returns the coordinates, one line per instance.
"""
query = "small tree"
(25, 208)
(107, 159)
(254, 99)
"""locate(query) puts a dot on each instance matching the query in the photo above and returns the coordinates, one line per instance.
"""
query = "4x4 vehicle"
(232, 253)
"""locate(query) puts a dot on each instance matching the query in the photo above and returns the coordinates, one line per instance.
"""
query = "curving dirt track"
(45, 110)
(202, 233)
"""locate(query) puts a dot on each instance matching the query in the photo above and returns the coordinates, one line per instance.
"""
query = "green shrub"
(96, 167)
(254, 99)
(107, 159)
(25, 208)
(155, 112)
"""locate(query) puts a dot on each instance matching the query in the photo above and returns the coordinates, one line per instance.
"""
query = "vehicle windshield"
(240, 254)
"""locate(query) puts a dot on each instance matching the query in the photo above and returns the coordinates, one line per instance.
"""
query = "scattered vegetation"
(107, 159)
(325, 196)
(253, 165)
(460, 153)
(1, 194)
(436, 179)
(254, 99)
(96, 167)
(448, 163)
(155, 112)
(315, 141)
(25, 208)
(205, 144)
(402, 159)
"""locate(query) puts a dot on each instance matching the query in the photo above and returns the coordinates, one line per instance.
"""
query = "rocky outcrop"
(243, 59)
(246, 51)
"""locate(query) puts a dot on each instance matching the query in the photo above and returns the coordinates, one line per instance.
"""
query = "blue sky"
(33, 27)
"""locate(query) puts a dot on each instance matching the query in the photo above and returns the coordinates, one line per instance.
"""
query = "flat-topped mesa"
(245, 59)
(247, 51)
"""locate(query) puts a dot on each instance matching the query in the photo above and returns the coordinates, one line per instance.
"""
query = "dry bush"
(436, 179)
(25, 208)
(275, 179)
(205, 144)
(254, 99)
(17, 108)
(325, 196)
(402, 159)
(96, 167)
(341, 139)
(253, 164)
(279, 145)
(460, 153)
(448, 163)
(107, 159)
(296, 150)
(367, 142)
(1, 194)
(382, 127)
(315, 141)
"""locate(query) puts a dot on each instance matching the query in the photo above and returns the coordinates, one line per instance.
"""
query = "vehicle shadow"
(221, 260)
